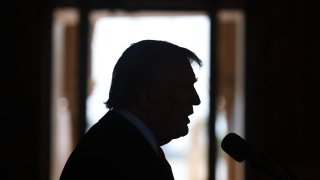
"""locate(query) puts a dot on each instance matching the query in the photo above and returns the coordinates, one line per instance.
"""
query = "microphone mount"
(240, 150)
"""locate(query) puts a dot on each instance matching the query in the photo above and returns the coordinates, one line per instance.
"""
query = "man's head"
(155, 80)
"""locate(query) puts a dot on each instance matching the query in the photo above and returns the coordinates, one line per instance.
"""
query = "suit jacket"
(115, 149)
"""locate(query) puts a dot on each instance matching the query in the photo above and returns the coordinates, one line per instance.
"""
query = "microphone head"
(236, 147)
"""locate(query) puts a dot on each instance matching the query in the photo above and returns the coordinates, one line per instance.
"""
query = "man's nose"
(195, 98)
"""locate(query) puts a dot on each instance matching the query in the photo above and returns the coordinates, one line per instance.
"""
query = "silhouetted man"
(151, 96)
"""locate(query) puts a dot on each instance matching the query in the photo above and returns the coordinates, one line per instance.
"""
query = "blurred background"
(259, 79)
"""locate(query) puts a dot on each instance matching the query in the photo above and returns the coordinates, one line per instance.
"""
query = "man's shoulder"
(112, 128)
(111, 146)
(111, 121)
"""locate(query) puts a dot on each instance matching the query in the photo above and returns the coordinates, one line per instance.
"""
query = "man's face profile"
(174, 97)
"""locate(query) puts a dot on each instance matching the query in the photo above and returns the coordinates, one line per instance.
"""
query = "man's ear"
(144, 99)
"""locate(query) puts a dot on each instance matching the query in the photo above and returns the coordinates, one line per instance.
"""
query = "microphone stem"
(274, 167)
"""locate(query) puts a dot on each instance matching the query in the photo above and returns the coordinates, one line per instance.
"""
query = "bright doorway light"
(113, 32)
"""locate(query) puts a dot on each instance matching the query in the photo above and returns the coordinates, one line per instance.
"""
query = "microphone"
(240, 150)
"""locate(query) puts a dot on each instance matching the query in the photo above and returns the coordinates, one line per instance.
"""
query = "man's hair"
(142, 64)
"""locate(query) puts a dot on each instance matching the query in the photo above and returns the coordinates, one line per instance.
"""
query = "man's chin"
(182, 132)
(186, 131)
(177, 134)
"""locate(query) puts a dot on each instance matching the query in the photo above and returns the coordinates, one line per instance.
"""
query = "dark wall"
(25, 60)
(282, 89)
(283, 55)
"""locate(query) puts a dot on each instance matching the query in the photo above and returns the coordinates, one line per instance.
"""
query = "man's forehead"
(172, 69)
(182, 72)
